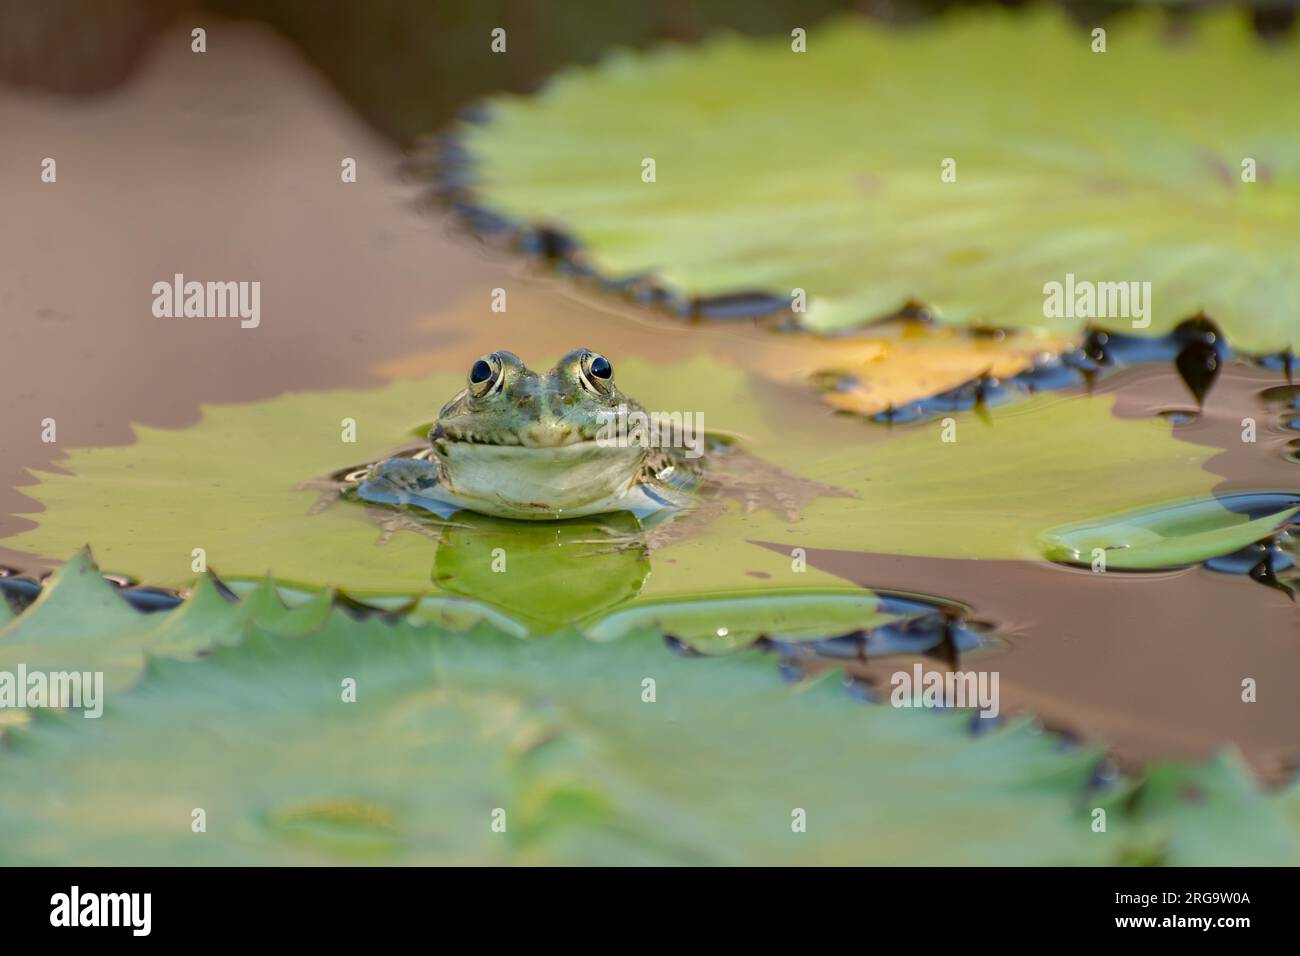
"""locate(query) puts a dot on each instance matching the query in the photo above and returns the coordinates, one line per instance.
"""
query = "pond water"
(917, 548)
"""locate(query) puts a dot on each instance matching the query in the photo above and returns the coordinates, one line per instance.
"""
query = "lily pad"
(895, 364)
(80, 623)
(822, 171)
(446, 729)
(1172, 535)
(1182, 814)
(327, 739)
(229, 485)
(724, 622)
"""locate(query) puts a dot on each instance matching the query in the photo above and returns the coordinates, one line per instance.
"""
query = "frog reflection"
(545, 575)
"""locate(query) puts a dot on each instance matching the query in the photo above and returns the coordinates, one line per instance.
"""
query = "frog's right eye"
(483, 374)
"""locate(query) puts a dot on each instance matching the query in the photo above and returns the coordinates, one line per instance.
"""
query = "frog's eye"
(483, 374)
(597, 373)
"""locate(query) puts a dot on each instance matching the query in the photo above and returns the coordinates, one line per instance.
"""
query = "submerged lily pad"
(719, 622)
(1172, 535)
(822, 171)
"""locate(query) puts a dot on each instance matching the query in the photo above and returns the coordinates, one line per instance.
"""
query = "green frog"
(518, 444)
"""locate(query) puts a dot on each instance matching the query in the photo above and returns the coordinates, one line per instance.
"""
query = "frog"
(515, 443)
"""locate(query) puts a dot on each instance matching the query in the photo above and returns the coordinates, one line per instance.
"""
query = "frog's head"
(533, 443)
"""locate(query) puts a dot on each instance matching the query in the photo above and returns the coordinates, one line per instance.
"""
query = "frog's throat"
(538, 481)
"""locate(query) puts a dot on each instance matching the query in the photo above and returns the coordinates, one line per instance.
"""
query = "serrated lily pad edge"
(1107, 788)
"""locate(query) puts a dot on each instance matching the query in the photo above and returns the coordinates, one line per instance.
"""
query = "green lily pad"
(79, 623)
(723, 622)
(445, 729)
(238, 500)
(998, 484)
(1167, 536)
(1182, 814)
(821, 171)
(377, 741)
(229, 485)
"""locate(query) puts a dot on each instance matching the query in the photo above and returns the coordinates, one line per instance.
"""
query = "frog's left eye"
(483, 374)
(597, 373)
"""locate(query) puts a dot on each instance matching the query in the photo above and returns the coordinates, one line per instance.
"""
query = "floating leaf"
(1189, 814)
(375, 741)
(821, 171)
(995, 486)
(228, 483)
(1172, 535)
(80, 624)
(446, 729)
(895, 364)
(726, 622)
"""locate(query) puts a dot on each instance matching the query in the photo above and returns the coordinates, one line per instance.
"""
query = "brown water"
(227, 166)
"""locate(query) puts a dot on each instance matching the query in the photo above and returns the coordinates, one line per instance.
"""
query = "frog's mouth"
(539, 436)
(537, 480)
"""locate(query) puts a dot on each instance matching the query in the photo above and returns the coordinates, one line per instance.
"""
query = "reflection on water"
(545, 574)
